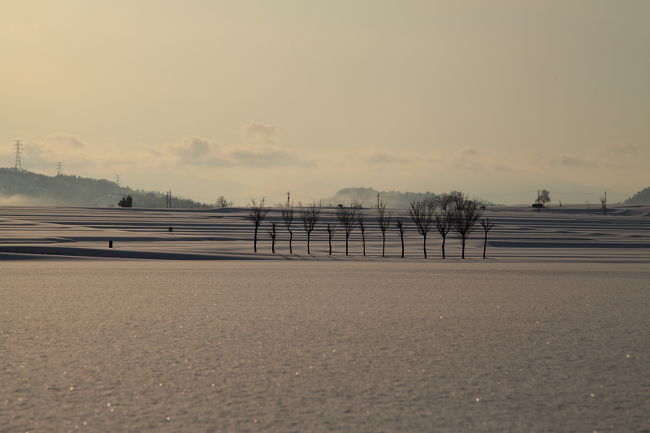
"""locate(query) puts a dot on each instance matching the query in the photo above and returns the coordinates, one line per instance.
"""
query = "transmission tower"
(19, 151)
(168, 199)
(117, 179)
(59, 168)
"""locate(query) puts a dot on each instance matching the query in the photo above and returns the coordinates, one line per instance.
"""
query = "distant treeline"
(368, 197)
(641, 197)
(70, 190)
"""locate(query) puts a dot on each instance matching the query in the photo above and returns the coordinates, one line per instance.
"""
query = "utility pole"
(19, 150)
(59, 168)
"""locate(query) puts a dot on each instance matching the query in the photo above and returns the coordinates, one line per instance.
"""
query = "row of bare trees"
(452, 212)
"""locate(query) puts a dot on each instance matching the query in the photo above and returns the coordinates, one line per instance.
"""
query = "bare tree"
(287, 218)
(347, 217)
(273, 235)
(443, 219)
(331, 229)
(465, 214)
(309, 215)
(487, 226)
(361, 220)
(422, 212)
(543, 197)
(603, 203)
(383, 220)
(256, 213)
(401, 227)
(222, 202)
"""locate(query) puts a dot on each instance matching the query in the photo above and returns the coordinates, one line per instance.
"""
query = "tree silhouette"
(256, 213)
(126, 202)
(383, 221)
(347, 217)
(287, 217)
(465, 214)
(331, 229)
(310, 216)
(487, 226)
(273, 235)
(442, 219)
(401, 227)
(361, 220)
(422, 212)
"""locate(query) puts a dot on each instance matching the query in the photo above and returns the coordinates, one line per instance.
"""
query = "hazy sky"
(252, 98)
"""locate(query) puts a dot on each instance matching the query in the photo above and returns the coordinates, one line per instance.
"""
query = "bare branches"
(422, 212)
(487, 226)
(442, 220)
(347, 217)
(361, 220)
(383, 221)
(543, 197)
(464, 215)
(309, 215)
(287, 218)
(256, 213)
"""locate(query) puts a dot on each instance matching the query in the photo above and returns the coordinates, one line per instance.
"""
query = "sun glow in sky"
(256, 98)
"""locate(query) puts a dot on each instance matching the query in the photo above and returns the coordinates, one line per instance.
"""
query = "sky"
(249, 98)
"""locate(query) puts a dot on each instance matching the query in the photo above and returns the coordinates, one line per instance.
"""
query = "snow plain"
(161, 334)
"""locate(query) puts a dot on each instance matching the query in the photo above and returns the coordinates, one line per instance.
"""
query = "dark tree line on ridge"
(445, 213)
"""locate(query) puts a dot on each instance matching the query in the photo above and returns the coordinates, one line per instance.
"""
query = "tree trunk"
(383, 244)
(308, 239)
(273, 245)
(290, 239)
(444, 238)
(363, 241)
(347, 237)
(424, 245)
(329, 240)
(401, 236)
(462, 255)
(484, 244)
(255, 238)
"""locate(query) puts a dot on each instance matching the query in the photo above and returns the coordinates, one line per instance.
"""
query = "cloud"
(573, 162)
(384, 158)
(466, 158)
(624, 149)
(202, 151)
(64, 140)
(56, 147)
(260, 133)
(199, 151)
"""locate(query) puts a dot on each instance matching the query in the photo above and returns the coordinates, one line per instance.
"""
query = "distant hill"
(641, 197)
(368, 197)
(65, 190)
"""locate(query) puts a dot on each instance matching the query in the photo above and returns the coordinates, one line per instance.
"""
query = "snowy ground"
(519, 234)
(550, 335)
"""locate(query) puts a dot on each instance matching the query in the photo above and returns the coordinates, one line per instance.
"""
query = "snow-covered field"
(549, 335)
(520, 234)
